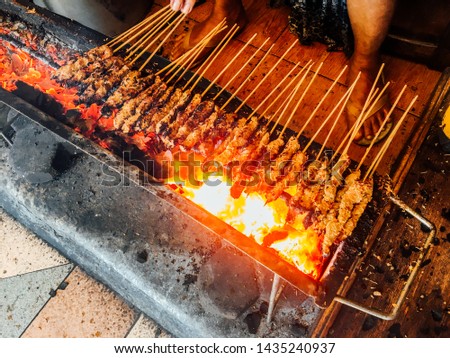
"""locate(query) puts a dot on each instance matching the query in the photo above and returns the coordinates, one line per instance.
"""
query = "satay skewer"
(240, 69)
(287, 102)
(192, 56)
(159, 14)
(212, 83)
(265, 77)
(291, 82)
(276, 88)
(174, 27)
(381, 127)
(349, 132)
(301, 100)
(211, 58)
(364, 116)
(260, 62)
(321, 101)
(150, 30)
(376, 162)
(348, 94)
(344, 99)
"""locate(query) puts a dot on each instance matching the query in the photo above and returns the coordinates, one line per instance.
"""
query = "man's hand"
(185, 6)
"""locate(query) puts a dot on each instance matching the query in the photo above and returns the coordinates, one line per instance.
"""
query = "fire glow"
(249, 214)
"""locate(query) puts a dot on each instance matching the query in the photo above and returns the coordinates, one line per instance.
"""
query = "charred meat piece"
(183, 116)
(129, 107)
(164, 125)
(98, 91)
(130, 87)
(97, 54)
(196, 119)
(147, 121)
(133, 122)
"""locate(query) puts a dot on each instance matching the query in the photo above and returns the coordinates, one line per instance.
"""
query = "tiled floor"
(42, 294)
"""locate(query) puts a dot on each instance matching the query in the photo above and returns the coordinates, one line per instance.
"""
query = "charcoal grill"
(161, 252)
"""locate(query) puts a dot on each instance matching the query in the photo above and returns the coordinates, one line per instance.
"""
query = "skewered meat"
(66, 72)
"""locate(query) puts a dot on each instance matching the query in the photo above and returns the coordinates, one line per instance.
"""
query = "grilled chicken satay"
(66, 72)
(353, 196)
(282, 165)
(133, 121)
(131, 85)
(214, 137)
(198, 134)
(264, 170)
(294, 168)
(183, 116)
(247, 158)
(158, 114)
(163, 127)
(366, 190)
(331, 186)
(197, 117)
(145, 122)
(97, 92)
(237, 139)
(129, 107)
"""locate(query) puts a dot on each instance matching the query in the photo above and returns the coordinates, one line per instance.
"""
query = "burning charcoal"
(253, 320)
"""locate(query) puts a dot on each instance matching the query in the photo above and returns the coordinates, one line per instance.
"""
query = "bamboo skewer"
(265, 77)
(194, 53)
(350, 132)
(286, 103)
(228, 64)
(301, 99)
(344, 99)
(150, 30)
(364, 116)
(144, 22)
(292, 81)
(240, 69)
(321, 101)
(376, 162)
(214, 55)
(355, 128)
(348, 94)
(381, 127)
(177, 23)
(247, 79)
(276, 88)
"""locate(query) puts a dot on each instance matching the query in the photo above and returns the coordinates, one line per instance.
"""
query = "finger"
(175, 5)
(187, 6)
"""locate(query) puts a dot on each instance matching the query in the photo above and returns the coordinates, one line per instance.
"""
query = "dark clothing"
(324, 21)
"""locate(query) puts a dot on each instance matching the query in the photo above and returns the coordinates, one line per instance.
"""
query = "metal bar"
(423, 252)
(278, 286)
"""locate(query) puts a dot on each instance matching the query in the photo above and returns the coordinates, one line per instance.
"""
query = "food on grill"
(144, 105)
